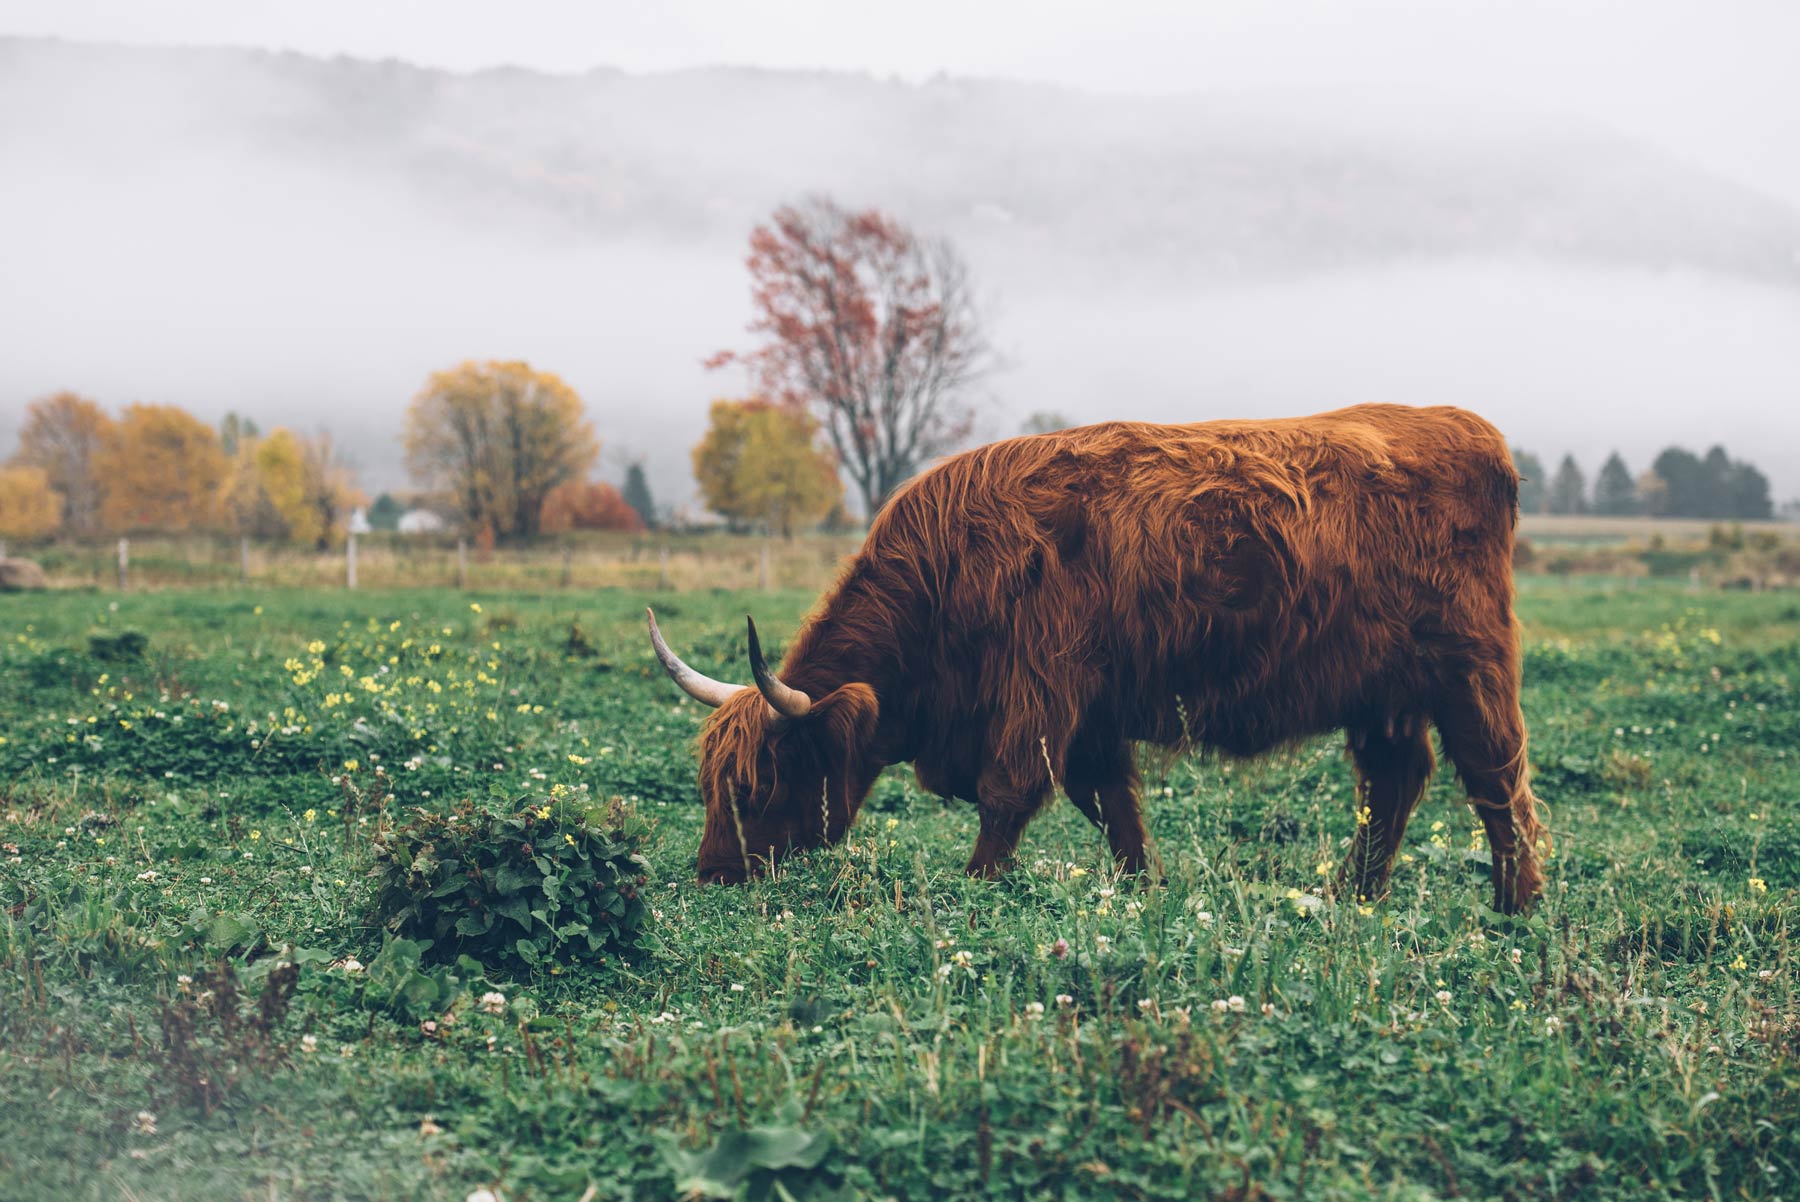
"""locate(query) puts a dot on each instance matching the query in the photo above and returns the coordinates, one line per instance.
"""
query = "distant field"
(1585, 528)
(686, 562)
(870, 1023)
(588, 560)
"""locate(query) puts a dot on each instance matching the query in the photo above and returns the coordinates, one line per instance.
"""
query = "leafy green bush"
(117, 646)
(557, 878)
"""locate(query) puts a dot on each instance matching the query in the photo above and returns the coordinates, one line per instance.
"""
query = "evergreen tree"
(1615, 493)
(1681, 470)
(1747, 494)
(1531, 481)
(385, 513)
(637, 494)
(1568, 490)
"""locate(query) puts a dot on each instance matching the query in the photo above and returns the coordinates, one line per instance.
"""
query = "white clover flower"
(962, 959)
(1235, 1002)
(482, 1195)
(1516, 954)
(144, 1123)
(148, 875)
(1220, 1006)
(1443, 997)
(1065, 999)
(1146, 1005)
(1102, 944)
(1034, 1010)
(736, 988)
(309, 1044)
(493, 1001)
(351, 964)
(1553, 1024)
(1268, 1009)
(943, 972)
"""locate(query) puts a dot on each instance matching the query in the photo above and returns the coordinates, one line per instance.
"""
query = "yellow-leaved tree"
(496, 438)
(63, 436)
(29, 508)
(761, 464)
(287, 486)
(164, 470)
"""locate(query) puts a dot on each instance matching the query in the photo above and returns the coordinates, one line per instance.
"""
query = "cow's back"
(1237, 583)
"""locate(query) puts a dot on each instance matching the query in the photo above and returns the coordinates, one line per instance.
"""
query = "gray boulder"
(21, 575)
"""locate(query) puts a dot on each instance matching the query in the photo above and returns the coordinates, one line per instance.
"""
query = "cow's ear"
(847, 715)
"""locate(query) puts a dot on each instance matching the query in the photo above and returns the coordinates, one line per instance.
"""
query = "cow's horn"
(789, 703)
(700, 688)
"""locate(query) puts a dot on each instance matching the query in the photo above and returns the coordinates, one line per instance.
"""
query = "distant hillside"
(1213, 187)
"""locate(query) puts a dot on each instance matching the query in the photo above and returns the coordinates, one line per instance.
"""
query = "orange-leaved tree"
(29, 507)
(588, 505)
(761, 464)
(164, 470)
(495, 438)
(872, 328)
(63, 435)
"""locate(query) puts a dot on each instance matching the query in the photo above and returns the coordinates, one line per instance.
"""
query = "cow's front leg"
(1000, 829)
(1005, 806)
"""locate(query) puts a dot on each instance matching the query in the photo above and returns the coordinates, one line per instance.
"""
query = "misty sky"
(1714, 81)
(302, 296)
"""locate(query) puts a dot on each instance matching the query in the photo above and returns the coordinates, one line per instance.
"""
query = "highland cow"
(1023, 614)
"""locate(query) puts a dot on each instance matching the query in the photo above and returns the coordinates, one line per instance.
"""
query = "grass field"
(195, 1002)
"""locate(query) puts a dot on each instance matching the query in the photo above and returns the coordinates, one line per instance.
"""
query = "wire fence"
(643, 562)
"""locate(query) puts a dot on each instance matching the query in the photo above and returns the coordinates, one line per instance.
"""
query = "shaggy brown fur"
(1040, 605)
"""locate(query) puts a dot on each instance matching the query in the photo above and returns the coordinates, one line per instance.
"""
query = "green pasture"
(196, 1001)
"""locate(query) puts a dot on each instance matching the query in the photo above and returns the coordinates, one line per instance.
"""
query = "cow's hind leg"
(1483, 731)
(1393, 768)
(1102, 781)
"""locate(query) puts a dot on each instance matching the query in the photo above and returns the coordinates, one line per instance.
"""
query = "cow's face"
(772, 785)
(779, 771)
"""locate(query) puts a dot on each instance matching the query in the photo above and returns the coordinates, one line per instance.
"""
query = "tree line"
(83, 471)
(868, 349)
(1678, 483)
(868, 354)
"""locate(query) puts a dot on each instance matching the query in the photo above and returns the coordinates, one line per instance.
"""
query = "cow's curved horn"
(700, 688)
(788, 702)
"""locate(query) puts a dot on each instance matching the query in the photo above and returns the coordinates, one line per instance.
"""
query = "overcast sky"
(1715, 82)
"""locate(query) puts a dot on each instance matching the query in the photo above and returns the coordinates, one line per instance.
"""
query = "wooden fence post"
(462, 563)
(124, 564)
(350, 562)
(244, 560)
(568, 568)
(764, 571)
